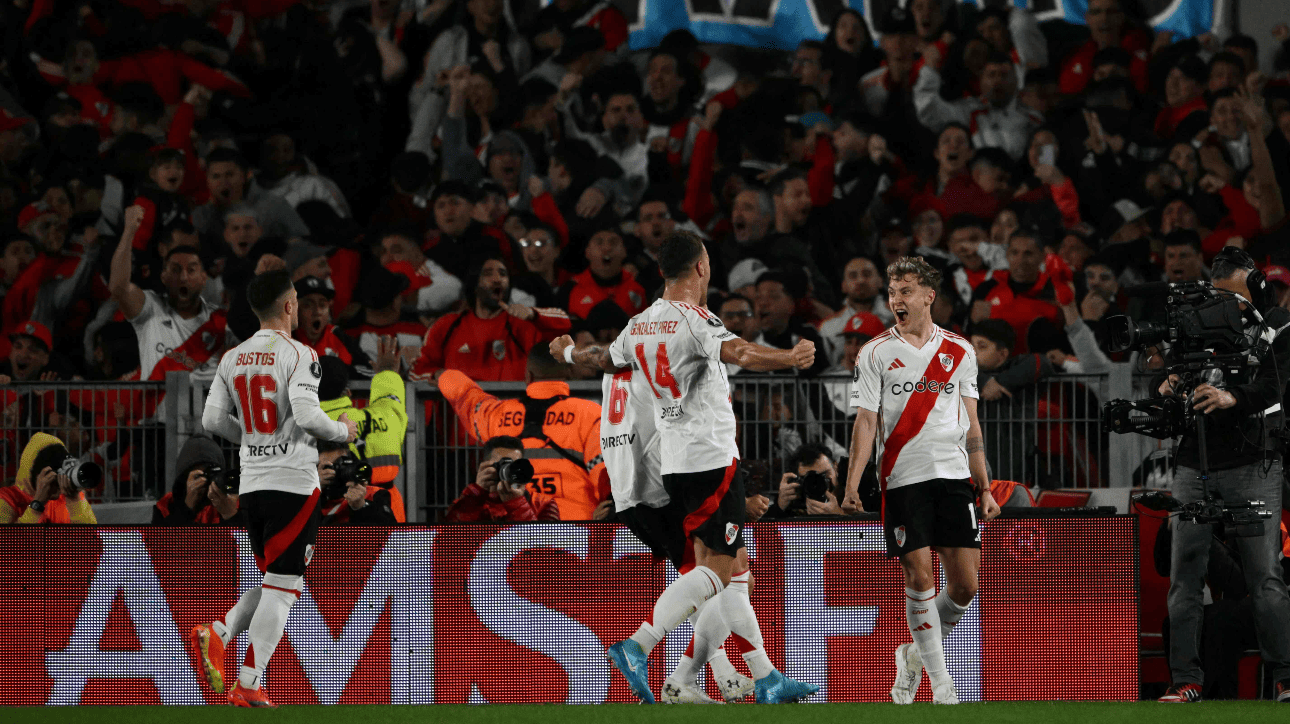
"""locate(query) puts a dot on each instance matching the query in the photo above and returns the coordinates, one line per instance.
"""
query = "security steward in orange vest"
(382, 424)
(561, 433)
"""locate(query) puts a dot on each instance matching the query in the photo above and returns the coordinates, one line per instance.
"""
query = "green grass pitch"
(1243, 712)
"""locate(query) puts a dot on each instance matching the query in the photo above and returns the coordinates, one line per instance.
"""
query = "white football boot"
(676, 691)
(944, 693)
(909, 674)
(735, 688)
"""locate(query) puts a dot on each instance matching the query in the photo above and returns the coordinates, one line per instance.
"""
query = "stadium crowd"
(474, 178)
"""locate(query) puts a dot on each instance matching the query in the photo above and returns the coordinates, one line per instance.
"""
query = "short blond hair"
(918, 267)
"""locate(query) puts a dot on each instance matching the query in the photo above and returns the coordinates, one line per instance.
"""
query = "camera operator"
(50, 486)
(813, 488)
(198, 495)
(1245, 465)
(494, 499)
(347, 492)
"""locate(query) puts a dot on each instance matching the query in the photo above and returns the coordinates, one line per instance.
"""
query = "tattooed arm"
(595, 356)
(976, 462)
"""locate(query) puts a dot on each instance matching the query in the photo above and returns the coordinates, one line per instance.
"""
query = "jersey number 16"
(259, 413)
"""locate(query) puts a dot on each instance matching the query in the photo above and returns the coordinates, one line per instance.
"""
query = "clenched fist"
(803, 354)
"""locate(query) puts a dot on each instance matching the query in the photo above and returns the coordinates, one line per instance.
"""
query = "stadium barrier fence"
(1049, 434)
(522, 613)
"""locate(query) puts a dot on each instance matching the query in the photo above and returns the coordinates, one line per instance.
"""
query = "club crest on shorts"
(947, 361)
(309, 552)
(732, 531)
(900, 536)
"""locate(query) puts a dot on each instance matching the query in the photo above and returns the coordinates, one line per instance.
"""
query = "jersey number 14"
(662, 376)
(259, 413)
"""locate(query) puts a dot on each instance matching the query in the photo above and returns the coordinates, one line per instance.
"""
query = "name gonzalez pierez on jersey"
(918, 395)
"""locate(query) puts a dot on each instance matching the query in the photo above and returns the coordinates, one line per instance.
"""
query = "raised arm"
(976, 462)
(863, 434)
(1271, 206)
(129, 297)
(756, 358)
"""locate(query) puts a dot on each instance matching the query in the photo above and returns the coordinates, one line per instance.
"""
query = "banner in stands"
(782, 24)
(450, 614)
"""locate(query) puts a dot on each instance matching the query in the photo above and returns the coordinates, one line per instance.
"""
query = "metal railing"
(1049, 434)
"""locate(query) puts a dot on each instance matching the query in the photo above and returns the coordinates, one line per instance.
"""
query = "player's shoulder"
(872, 346)
(956, 339)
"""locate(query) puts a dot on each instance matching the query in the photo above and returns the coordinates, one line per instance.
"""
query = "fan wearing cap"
(29, 354)
(1109, 28)
(490, 340)
(436, 289)
(603, 279)
(458, 239)
(57, 277)
(383, 293)
(40, 495)
(382, 423)
(317, 331)
(194, 497)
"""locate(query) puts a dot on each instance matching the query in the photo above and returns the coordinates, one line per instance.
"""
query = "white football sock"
(238, 617)
(949, 612)
(678, 602)
(687, 669)
(721, 666)
(267, 625)
(736, 607)
(925, 627)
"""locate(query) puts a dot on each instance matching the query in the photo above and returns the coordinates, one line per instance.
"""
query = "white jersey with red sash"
(170, 343)
(918, 394)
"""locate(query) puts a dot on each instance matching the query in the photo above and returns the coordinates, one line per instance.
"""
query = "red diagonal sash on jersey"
(918, 408)
(200, 346)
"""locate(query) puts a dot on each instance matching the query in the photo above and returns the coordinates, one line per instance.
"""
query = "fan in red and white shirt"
(915, 387)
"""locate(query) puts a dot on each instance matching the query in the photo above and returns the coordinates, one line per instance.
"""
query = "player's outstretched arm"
(756, 358)
(596, 355)
(976, 462)
(862, 437)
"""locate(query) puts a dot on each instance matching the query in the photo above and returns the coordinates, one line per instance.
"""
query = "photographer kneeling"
(813, 488)
(199, 495)
(500, 491)
(349, 498)
(50, 486)
(1244, 458)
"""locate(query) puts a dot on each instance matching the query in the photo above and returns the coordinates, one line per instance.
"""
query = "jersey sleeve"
(151, 303)
(619, 350)
(302, 390)
(708, 332)
(219, 403)
(866, 382)
(967, 374)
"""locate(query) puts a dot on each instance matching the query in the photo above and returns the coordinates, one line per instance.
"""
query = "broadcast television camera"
(1204, 341)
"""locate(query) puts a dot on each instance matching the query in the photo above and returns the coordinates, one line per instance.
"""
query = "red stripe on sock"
(250, 655)
(742, 644)
(920, 600)
(689, 650)
(292, 591)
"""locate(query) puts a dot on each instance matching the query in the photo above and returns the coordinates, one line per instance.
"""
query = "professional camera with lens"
(1204, 340)
(514, 472)
(348, 469)
(227, 480)
(84, 474)
(814, 485)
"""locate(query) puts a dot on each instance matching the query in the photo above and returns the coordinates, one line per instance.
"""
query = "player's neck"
(279, 324)
(686, 291)
(916, 331)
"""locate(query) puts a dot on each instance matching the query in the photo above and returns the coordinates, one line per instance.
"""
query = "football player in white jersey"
(679, 348)
(265, 394)
(915, 389)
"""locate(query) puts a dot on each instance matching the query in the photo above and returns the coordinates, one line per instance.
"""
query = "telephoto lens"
(84, 474)
(514, 472)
